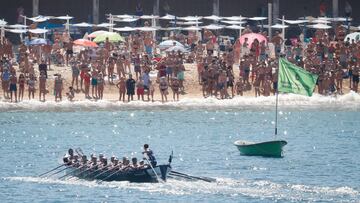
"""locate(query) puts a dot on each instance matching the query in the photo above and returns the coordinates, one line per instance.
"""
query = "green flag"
(293, 79)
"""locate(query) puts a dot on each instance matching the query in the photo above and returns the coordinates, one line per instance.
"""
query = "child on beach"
(71, 94)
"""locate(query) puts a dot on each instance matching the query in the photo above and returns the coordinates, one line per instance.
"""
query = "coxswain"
(149, 154)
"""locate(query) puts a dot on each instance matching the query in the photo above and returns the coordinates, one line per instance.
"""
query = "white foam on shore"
(260, 189)
(350, 101)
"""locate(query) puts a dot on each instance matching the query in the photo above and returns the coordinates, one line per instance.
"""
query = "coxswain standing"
(149, 155)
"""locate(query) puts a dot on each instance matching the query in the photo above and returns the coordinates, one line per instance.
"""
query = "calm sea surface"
(321, 162)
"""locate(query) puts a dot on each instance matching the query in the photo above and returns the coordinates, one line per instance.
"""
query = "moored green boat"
(268, 149)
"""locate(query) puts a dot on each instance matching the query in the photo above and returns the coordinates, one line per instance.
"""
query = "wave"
(349, 101)
(223, 186)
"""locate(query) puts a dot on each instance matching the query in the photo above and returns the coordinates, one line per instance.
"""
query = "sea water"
(320, 164)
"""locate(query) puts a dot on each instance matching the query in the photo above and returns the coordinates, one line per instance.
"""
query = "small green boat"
(267, 149)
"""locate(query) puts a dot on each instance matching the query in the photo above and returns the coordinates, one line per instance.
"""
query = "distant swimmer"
(149, 154)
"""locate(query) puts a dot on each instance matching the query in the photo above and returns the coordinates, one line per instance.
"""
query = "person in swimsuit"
(58, 86)
(22, 81)
(100, 86)
(130, 88)
(163, 85)
(31, 86)
(71, 94)
(94, 84)
(5, 82)
(13, 88)
(140, 89)
(122, 88)
(87, 79)
(75, 73)
(175, 87)
(42, 85)
(151, 91)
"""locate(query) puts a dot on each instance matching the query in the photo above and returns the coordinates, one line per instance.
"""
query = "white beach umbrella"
(169, 43)
(213, 17)
(38, 31)
(279, 26)
(320, 21)
(146, 29)
(149, 17)
(258, 18)
(176, 49)
(124, 29)
(192, 28)
(233, 22)
(294, 22)
(127, 20)
(192, 23)
(3, 23)
(63, 17)
(235, 18)
(83, 24)
(191, 18)
(170, 28)
(168, 17)
(105, 25)
(341, 19)
(17, 26)
(353, 36)
(39, 19)
(213, 27)
(320, 26)
(234, 27)
(123, 16)
(16, 31)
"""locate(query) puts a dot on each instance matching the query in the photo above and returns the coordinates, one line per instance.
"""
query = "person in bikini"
(42, 85)
(122, 88)
(22, 81)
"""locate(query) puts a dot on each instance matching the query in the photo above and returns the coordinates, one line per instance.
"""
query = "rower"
(134, 163)
(71, 154)
(150, 155)
(94, 160)
(84, 160)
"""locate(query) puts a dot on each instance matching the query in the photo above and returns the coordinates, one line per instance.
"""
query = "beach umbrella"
(258, 18)
(38, 41)
(235, 18)
(96, 33)
(146, 29)
(294, 22)
(149, 17)
(341, 19)
(124, 29)
(83, 24)
(17, 26)
(320, 21)
(233, 22)
(169, 43)
(85, 43)
(192, 28)
(105, 25)
(213, 27)
(168, 17)
(171, 28)
(123, 16)
(38, 31)
(251, 37)
(191, 18)
(279, 26)
(192, 23)
(63, 17)
(127, 20)
(213, 17)
(176, 49)
(319, 26)
(112, 36)
(3, 22)
(39, 19)
(234, 27)
(353, 36)
(16, 31)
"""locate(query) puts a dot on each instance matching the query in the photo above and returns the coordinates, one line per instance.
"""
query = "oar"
(94, 172)
(72, 172)
(106, 171)
(157, 177)
(60, 171)
(88, 169)
(51, 170)
(175, 173)
(107, 177)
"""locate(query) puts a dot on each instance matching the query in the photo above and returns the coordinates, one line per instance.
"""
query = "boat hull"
(268, 149)
(138, 175)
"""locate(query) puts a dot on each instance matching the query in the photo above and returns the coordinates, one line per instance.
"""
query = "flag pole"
(276, 105)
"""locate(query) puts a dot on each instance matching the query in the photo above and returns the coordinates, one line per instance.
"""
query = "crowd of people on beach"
(138, 67)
